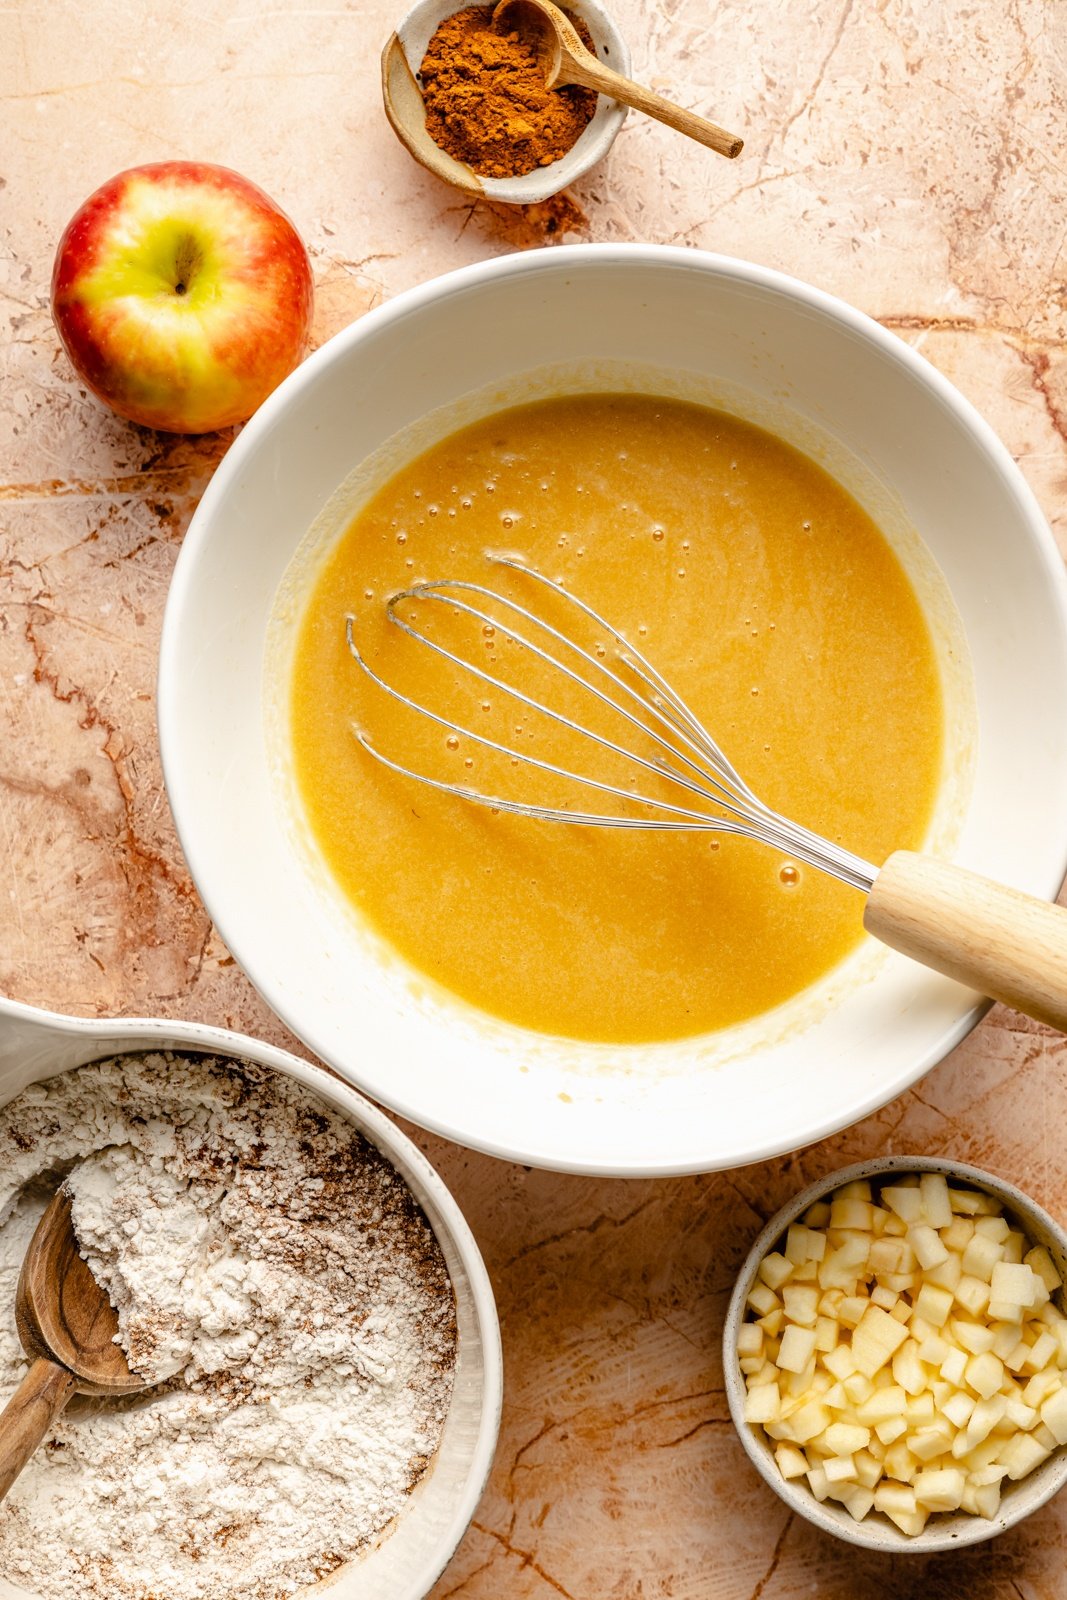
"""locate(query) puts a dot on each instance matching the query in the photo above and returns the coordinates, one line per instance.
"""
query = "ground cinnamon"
(486, 100)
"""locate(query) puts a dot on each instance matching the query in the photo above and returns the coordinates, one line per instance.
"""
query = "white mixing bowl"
(35, 1045)
(677, 322)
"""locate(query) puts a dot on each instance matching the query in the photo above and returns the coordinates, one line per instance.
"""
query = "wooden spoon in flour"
(67, 1326)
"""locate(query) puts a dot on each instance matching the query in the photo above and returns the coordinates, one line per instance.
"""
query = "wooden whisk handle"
(1004, 943)
(29, 1414)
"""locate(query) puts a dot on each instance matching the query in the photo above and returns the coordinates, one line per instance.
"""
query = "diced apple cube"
(908, 1370)
(800, 1301)
(881, 1404)
(1006, 1336)
(885, 1255)
(817, 1482)
(792, 1463)
(839, 1469)
(929, 1251)
(771, 1323)
(851, 1309)
(894, 1497)
(876, 1338)
(798, 1383)
(844, 1438)
(937, 1206)
(858, 1388)
(975, 1337)
(958, 1408)
(1039, 1261)
(1042, 1353)
(928, 1443)
(900, 1312)
(934, 1349)
(905, 1199)
(749, 1339)
(987, 1500)
(811, 1419)
(933, 1304)
(798, 1348)
(858, 1501)
(972, 1294)
(762, 1404)
(886, 1298)
(940, 1488)
(849, 1213)
(957, 1236)
(947, 1275)
(803, 1244)
(817, 1215)
(985, 1374)
(964, 1202)
(899, 1462)
(890, 1428)
(984, 1418)
(826, 1334)
(855, 1189)
(981, 1255)
(1020, 1415)
(1041, 1385)
(868, 1468)
(1014, 1284)
(840, 1362)
(954, 1366)
(1054, 1415)
(1021, 1454)
(762, 1299)
(995, 1226)
(1014, 1245)
(919, 1410)
(774, 1269)
(1006, 1311)
(981, 1476)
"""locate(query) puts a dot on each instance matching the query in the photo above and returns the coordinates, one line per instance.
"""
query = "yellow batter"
(756, 585)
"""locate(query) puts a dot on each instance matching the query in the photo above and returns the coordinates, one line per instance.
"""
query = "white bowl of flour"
(244, 1219)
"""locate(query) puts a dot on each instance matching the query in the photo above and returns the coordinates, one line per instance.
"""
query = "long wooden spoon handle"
(589, 72)
(994, 939)
(29, 1414)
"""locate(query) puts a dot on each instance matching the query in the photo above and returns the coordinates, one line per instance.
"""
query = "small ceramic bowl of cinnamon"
(467, 99)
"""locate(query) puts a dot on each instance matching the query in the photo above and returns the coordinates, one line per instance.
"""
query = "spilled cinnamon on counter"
(486, 100)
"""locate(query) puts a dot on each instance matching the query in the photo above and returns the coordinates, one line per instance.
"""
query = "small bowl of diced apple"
(895, 1355)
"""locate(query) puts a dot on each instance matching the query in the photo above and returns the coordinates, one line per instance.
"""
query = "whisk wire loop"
(688, 755)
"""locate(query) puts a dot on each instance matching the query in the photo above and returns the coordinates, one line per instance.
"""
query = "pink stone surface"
(908, 155)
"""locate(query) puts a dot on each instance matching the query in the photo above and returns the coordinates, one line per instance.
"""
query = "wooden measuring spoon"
(67, 1326)
(566, 60)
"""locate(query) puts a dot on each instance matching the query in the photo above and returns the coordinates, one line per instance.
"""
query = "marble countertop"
(907, 155)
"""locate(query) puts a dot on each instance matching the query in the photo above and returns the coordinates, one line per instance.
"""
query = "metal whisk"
(688, 758)
(993, 938)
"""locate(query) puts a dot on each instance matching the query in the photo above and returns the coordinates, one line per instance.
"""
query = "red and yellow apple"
(182, 295)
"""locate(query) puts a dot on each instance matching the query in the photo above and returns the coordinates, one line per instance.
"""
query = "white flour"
(274, 1276)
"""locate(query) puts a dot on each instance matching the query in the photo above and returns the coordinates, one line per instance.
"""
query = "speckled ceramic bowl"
(36, 1045)
(402, 58)
(944, 1531)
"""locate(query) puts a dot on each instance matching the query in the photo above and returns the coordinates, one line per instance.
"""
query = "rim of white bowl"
(402, 1153)
(1020, 1502)
(568, 258)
